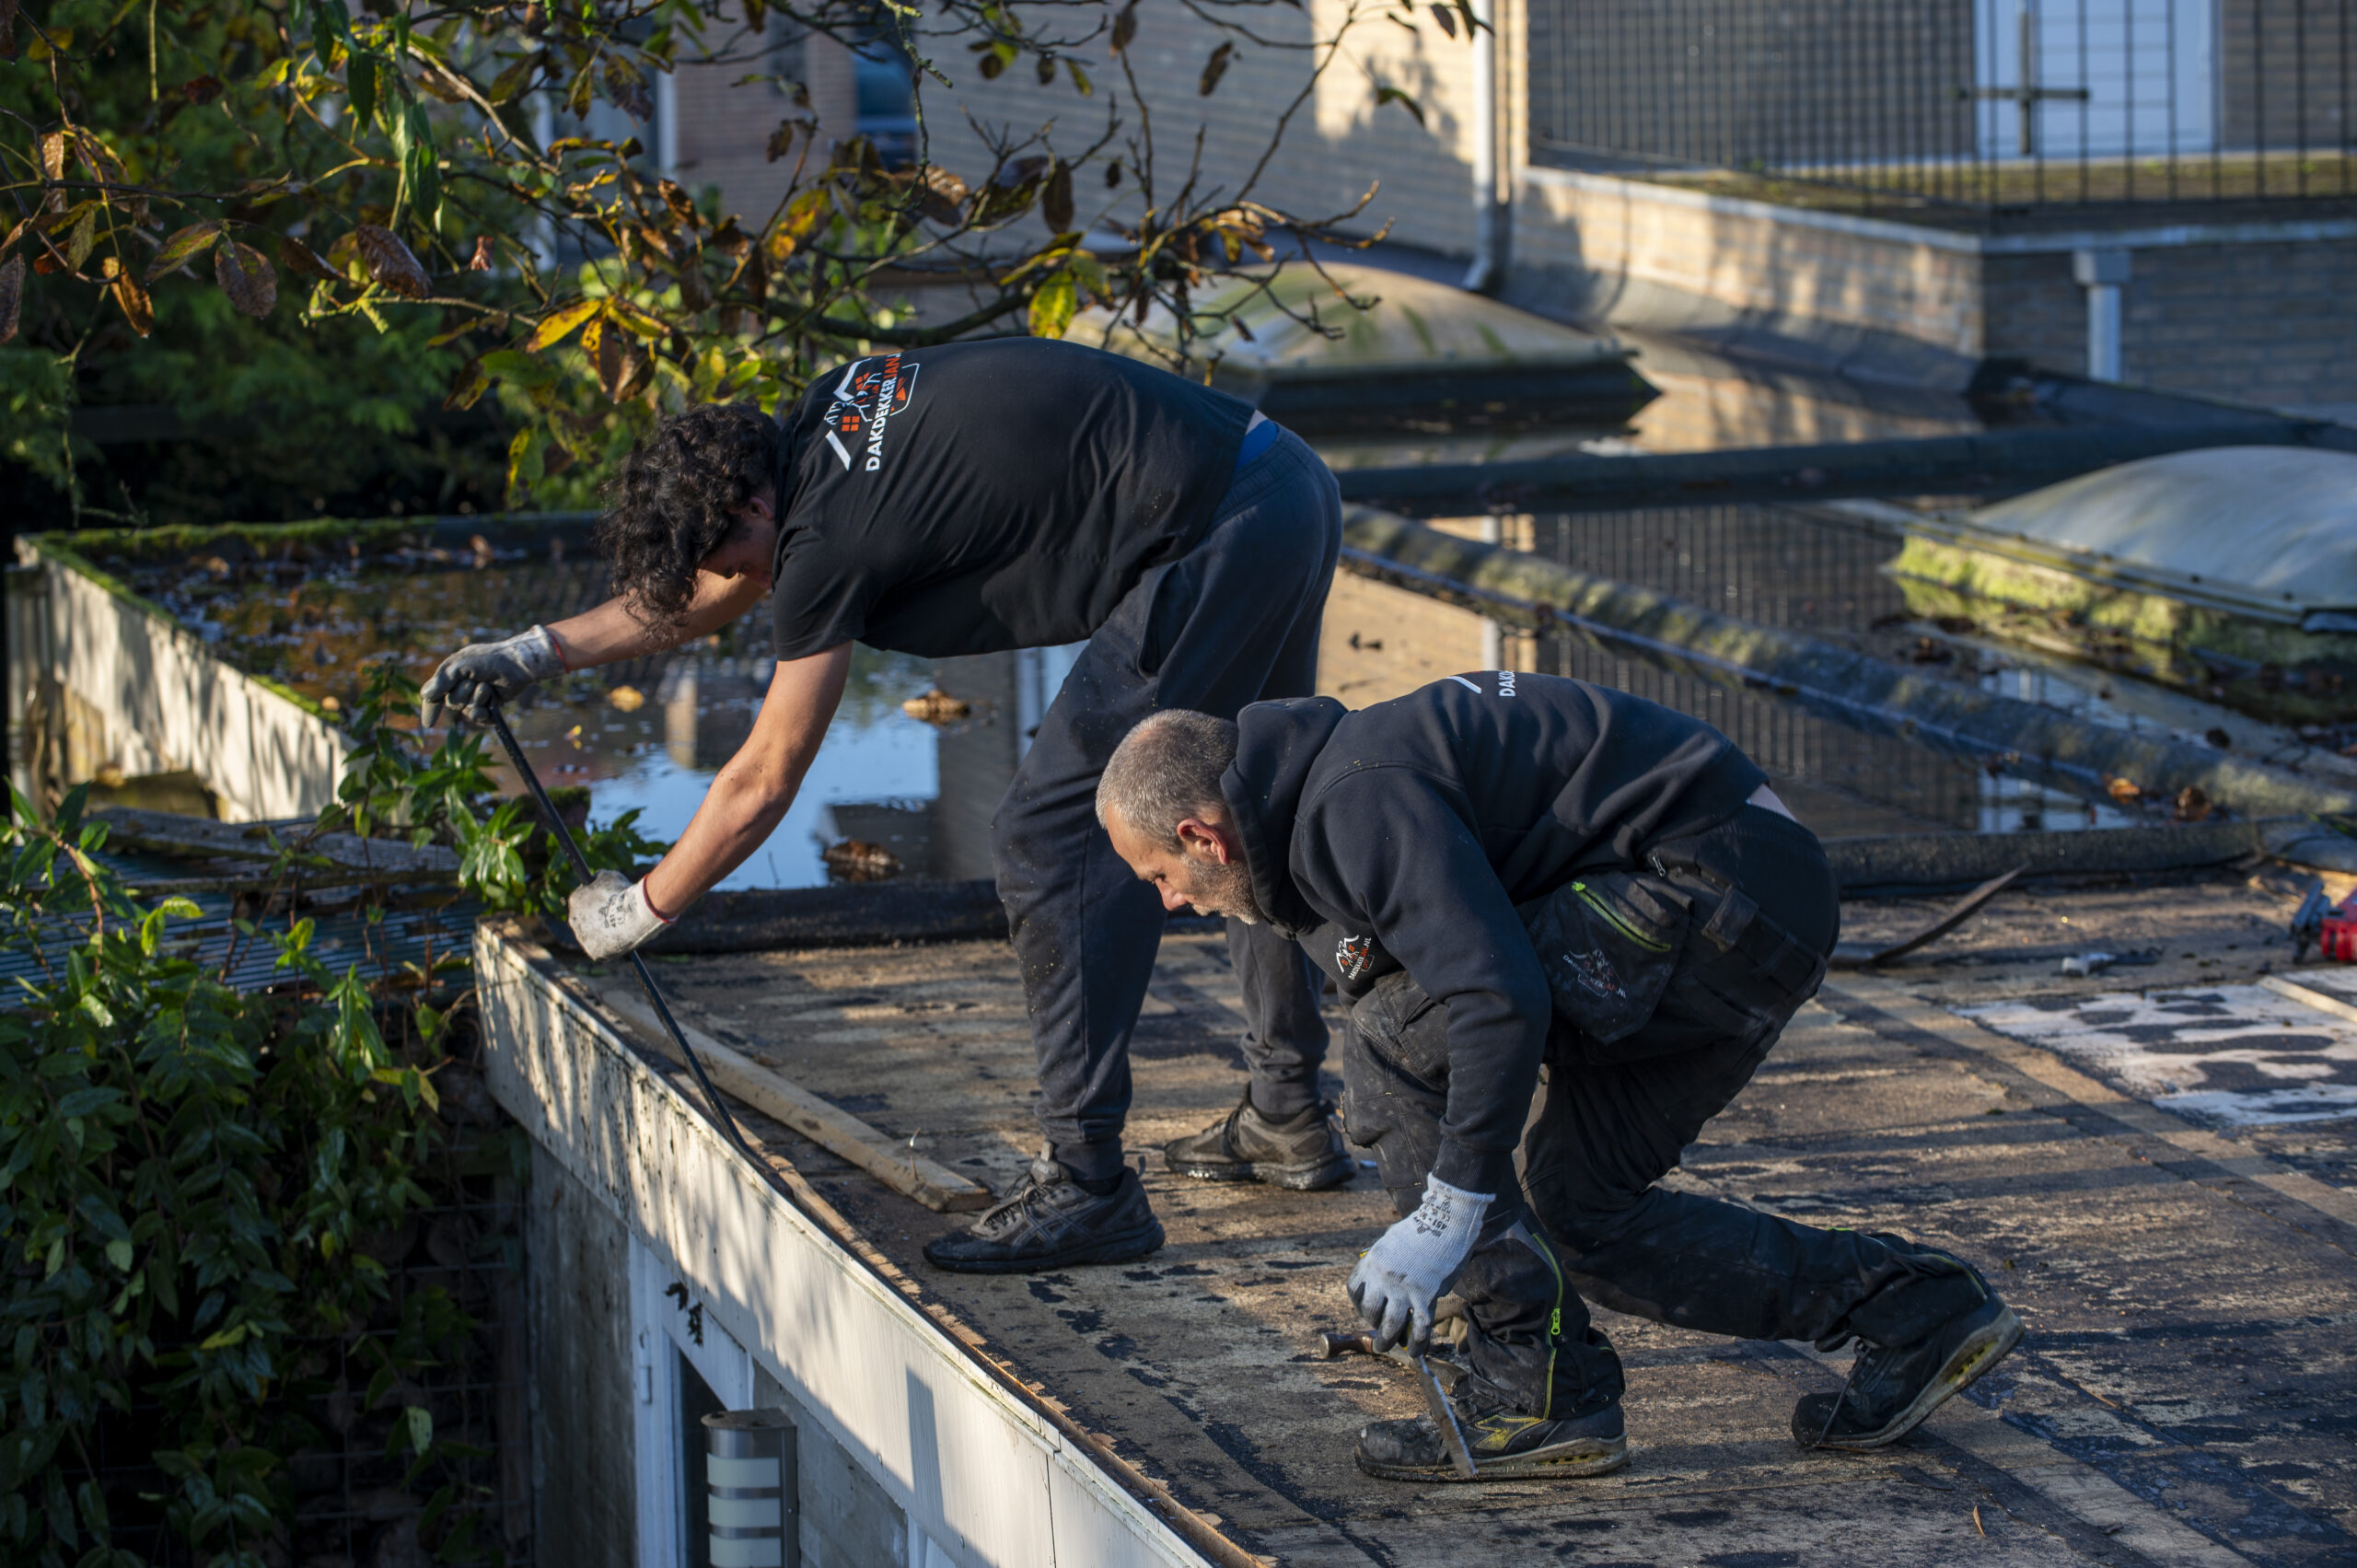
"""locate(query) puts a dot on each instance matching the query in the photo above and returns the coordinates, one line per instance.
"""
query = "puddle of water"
(660, 759)
(319, 632)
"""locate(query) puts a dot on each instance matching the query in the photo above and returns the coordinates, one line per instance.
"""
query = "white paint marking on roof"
(2231, 1055)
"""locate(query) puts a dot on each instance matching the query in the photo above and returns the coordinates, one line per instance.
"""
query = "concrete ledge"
(984, 1466)
(2156, 236)
(167, 703)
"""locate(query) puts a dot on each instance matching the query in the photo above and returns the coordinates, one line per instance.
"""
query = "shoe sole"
(1312, 1178)
(1982, 1349)
(1119, 1248)
(1575, 1461)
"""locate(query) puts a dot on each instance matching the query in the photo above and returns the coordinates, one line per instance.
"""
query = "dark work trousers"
(1670, 986)
(1233, 620)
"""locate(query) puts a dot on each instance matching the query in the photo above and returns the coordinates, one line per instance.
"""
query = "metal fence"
(1967, 104)
(1823, 574)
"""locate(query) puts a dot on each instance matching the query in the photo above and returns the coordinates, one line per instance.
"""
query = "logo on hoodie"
(873, 391)
(1353, 956)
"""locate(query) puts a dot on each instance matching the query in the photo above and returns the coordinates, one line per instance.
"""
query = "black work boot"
(1504, 1442)
(1304, 1154)
(1049, 1220)
(1891, 1390)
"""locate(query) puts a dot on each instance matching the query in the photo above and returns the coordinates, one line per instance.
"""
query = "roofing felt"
(2275, 526)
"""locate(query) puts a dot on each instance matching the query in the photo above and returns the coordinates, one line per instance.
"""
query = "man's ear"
(1202, 840)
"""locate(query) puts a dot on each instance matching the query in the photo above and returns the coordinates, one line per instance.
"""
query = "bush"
(200, 1189)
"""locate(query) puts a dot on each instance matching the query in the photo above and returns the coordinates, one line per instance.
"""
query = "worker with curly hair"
(970, 498)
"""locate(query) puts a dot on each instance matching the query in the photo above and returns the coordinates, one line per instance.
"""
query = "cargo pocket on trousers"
(1608, 944)
(1170, 604)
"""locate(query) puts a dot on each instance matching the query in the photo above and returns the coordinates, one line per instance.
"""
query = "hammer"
(1332, 1346)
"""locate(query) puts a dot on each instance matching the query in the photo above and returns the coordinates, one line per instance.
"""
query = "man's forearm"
(751, 795)
(738, 813)
(611, 632)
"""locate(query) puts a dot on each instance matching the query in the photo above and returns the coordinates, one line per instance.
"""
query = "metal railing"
(1981, 105)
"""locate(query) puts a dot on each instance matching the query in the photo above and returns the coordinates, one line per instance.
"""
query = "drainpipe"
(1489, 215)
(666, 123)
(2101, 274)
(1493, 632)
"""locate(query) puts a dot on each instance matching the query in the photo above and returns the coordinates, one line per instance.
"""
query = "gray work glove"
(473, 679)
(1402, 1275)
(611, 915)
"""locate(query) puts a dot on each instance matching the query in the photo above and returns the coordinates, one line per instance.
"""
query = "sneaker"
(1049, 1220)
(1504, 1445)
(1890, 1391)
(1304, 1154)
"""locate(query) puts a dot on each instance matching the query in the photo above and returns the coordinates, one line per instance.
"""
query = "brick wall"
(2283, 74)
(2263, 323)
(723, 127)
(1340, 142)
(1635, 251)
(2034, 312)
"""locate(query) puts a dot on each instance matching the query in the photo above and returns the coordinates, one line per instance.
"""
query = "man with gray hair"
(1503, 871)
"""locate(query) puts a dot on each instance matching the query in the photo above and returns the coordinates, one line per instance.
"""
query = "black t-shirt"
(980, 496)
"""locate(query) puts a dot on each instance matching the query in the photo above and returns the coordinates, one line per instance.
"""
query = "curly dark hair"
(675, 497)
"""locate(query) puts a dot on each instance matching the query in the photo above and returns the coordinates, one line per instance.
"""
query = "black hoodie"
(1403, 836)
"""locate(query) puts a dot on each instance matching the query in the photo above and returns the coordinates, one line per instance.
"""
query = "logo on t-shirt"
(870, 394)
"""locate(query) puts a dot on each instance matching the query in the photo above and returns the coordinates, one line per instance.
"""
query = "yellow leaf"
(1053, 307)
(558, 325)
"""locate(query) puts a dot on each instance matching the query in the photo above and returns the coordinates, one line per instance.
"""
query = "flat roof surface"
(2186, 1394)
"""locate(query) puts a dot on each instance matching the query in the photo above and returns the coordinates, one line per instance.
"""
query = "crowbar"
(1451, 1434)
(563, 835)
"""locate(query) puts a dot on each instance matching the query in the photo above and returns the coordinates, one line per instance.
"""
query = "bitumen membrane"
(2185, 1395)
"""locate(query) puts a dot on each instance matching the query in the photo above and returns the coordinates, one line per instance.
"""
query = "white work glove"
(611, 915)
(469, 680)
(1401, 1277)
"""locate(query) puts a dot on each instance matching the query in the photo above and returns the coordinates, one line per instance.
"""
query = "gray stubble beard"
(1230, 888)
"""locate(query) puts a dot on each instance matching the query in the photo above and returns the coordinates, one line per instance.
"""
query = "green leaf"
(83, 236)
(119, 1254)
(360, 86)
(81, 1102)
(1384, 94)
(420, 1422)
(184, 246)
(225, 1339)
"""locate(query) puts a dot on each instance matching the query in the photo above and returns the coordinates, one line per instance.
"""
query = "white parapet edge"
(169, 702)
(981, 1472)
